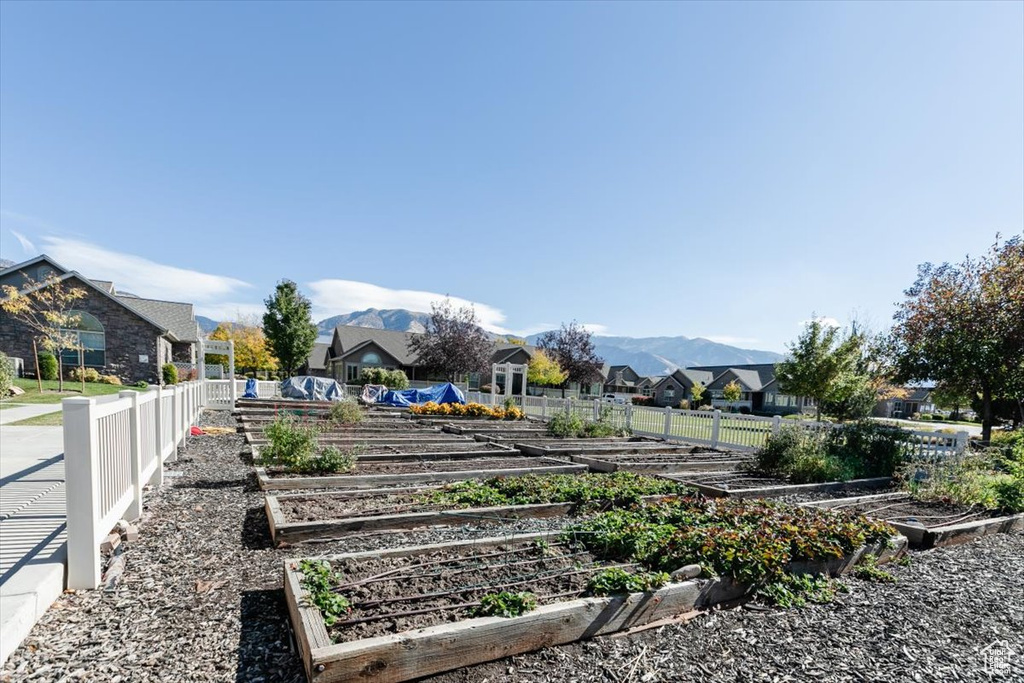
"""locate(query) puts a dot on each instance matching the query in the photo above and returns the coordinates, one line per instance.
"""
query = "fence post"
(962, 439)
(716, 424)
(134, 510)
(629, 416)
(544, 406)
(158, 436)
(776, 424)
(175, 423)
(80, 449)
(668, 421)
(597, 409)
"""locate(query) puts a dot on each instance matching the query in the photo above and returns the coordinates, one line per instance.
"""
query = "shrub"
(110, 379)
(169, 373)
(6, 374)
(91, 375)
(290, 443)
(873, 449)
(857, 450)
(345, 413)
(641, 400)
(47, 365)
(565, 425)
(684, 404)
(141, 384)
(468, 410)
(392, 379)
(330, 460)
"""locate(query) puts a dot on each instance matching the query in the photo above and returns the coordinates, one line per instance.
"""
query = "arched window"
(89, 339)
(371, 359)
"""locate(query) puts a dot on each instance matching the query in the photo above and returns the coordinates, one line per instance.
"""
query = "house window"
(670, 392)
(351, 372)
(89, 340)
(371, 359)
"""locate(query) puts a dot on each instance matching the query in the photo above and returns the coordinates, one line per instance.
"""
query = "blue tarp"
(439, 393)
(309, 388)
(250, 389)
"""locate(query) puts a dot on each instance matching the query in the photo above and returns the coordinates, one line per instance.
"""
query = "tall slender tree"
(961, 325)
(820, 360)
(454, 344)
(288, 326)
(572, 347)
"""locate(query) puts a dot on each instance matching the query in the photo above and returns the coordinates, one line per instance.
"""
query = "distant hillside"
(206, 325)
(662, 355)
(386, 319)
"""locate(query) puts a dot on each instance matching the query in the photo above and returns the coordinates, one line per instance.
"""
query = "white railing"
(112, 449)
(706, 427)
(219, 395)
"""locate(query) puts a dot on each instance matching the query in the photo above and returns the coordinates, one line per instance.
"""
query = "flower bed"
(468, 410)
(400, 614)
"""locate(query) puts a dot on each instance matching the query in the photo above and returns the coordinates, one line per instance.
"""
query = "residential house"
(353, 348)
(672, 389)
(316, 364)
(117, 333)
(906, 403)
(759, 389)
(621, 379)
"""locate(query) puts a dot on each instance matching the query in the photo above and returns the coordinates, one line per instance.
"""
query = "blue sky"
(717, 170)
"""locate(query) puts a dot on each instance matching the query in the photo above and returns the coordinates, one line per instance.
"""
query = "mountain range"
(646, 355)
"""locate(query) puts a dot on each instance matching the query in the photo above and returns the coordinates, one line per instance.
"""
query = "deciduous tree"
(572, 347)
(544, 371)
(697, 391)
(818, 361)
(288, 326)
(962, 325)
(252, 352)
(45, 307)
(732, 391)
(454, 343)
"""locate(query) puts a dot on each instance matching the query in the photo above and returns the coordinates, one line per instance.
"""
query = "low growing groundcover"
(600, 490)
(619, 551)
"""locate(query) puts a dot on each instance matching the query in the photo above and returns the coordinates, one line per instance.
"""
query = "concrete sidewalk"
(32, 526)
(9, 415)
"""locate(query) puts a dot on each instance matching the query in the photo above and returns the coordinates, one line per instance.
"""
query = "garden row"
(632, 543)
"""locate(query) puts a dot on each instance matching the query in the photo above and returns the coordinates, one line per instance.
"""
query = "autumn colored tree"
(961, 325)
(454, 343)
(288, 326)
(45, 307)
(697, 392)
(732, 391)
(252, 352)
(543, 371)
(572, 347)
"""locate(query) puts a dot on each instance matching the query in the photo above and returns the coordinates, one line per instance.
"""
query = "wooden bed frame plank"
(769, 491)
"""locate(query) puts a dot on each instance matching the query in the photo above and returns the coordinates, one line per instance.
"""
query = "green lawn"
(54, 419)
(52, 395)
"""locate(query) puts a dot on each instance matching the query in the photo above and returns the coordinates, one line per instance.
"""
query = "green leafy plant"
(328, 460)
(867, 570)
(290, 443)
(141, 384)
(570, 425)
(505, 604)
(345, 413)
(565, 425)
(6, 374)
(319, 579)
(169, 373)
(616, 580)
(797, 590)
(47, 366)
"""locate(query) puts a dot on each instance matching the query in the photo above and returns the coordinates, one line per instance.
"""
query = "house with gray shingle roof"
(759, 389)
(116, 334)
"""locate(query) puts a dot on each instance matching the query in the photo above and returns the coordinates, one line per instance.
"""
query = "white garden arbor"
(220, 348)
(507, 371)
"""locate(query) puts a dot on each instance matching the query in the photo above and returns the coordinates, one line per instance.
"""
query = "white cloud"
(727, 339)
(594, 328)
(144, 277)
(824, 320)
(231, 310)
(27, 248)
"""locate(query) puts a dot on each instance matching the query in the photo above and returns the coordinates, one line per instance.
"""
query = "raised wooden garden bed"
(564, 447)
(661, 463)
(742, 485)
(408, 472)
(928, 524)
(401, 625)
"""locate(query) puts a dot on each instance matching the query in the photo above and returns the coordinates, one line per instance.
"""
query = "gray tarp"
(312, 389)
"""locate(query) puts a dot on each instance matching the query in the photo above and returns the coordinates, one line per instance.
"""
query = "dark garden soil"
(324, 507)
(372, 468)
(927, 513)
(446, 585)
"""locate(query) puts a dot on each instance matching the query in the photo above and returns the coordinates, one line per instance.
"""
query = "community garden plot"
(745, 485)
(928, 524)
(662, 463)
(611, 446)
(401, 614)
(408, 471)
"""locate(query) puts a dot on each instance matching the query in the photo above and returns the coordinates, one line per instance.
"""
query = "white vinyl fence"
(112, 449)
(221, 397)
(705, 427)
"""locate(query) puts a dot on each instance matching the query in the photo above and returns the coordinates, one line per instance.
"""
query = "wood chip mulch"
(201, 600)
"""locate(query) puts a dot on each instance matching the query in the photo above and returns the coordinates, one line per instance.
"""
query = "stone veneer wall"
(127, 337)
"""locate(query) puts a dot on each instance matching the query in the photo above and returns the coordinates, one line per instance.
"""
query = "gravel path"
(201, 601)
